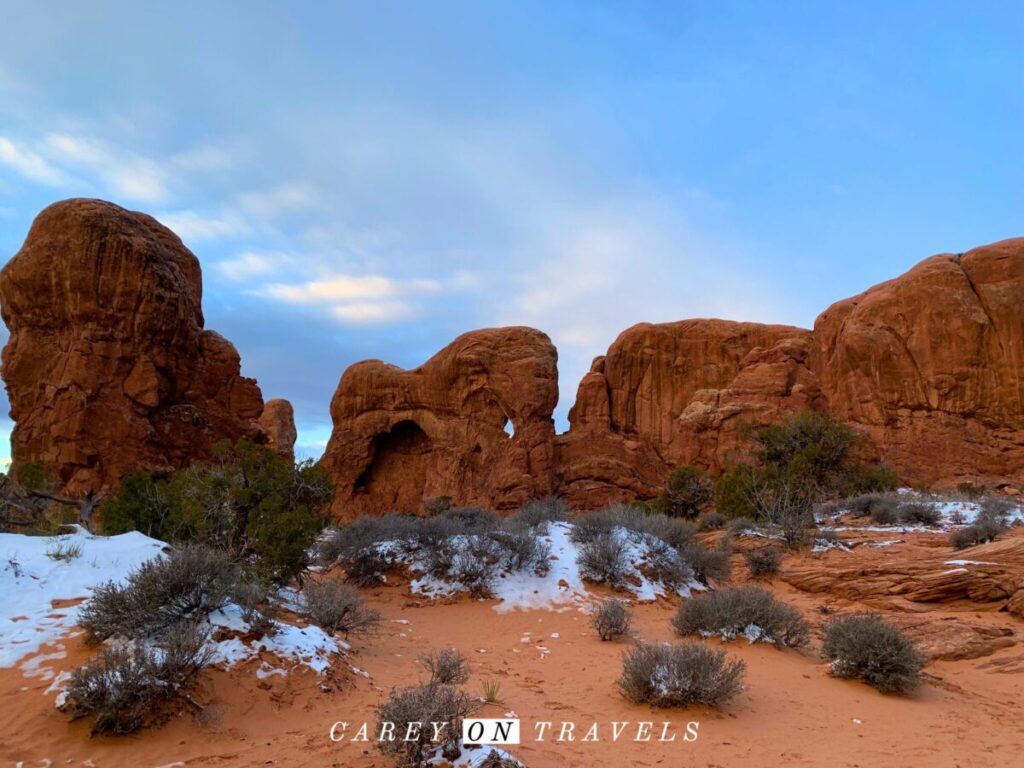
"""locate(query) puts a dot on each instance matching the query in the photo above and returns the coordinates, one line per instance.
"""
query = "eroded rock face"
(403, 437)
(929, 367)
(108, 367)
(678, 393)
(278, 423)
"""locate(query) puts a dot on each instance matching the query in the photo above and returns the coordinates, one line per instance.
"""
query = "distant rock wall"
(928, 366)
(108, 368)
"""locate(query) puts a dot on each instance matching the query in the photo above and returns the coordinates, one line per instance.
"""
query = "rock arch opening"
(398, 468)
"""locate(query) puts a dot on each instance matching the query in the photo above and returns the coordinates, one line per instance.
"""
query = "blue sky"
(368, 180)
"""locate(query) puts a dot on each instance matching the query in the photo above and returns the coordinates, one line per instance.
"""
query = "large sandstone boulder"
(108, 367)
(473, 423)
(931, 366)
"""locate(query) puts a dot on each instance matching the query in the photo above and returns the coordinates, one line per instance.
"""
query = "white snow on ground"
(470, 757)
(30, 581)
(968, 562)
(954, 513)
(561, 588)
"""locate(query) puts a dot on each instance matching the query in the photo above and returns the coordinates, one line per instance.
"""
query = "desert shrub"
(359, 547)
(126, 687)
(763, 561)
(251, 595)
(679, 675)
(747, 610)
(874, 505)
(604, 521)
(971, 490)
(711, 521)
(687, 492)
(915, 513)
(867, 478)
(740, 525)
(603, 559)
(707, 563)
(985, 528)
(805, 459)
(471, 519)
(475, 564)
(338, 607)
(611, 619)
(144, 503)
(437, 505)
(866, 648)
(997, 509)
(537, 514)
(672, 531)
(248, 501)
(429, 704)
(523, 550)
(446, 667)
(885, 514)
(666, 564)
(188, 583)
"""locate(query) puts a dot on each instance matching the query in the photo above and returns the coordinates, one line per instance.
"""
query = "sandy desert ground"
(552, 667)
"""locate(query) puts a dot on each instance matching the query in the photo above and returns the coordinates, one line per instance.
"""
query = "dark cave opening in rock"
(398, 468)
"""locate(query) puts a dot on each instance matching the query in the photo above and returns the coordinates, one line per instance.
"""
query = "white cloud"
(31, 165)
(348, 288)
(205, 159)
(193, 226)
(126, 174)
(251, 264)
(372, 312)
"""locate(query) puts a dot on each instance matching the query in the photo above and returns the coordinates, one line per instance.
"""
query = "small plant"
(710, 521)
(679, 675)
(258, 611)
(915, 513)
(538, 514)
(492, 692)
(611, 619)
(338, 607)
(971, 490)
(188, 583)
(987, 526)
(446, 667)
(475, 564)
(432, 706)
(866, 648)
(603, 559)
(64, 551)
(687, 492)
(763, 561)
(885, 513)
(126, 687)
(747, 611)
(740, 525)
(708, 564)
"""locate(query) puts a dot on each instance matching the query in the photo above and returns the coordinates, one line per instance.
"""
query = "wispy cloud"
(31, 165)
(294, 195)
(252, 264)
(195, 226)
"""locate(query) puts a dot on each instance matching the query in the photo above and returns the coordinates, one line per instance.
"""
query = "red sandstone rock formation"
(278, 422)
(108, 368)
(929, 366)
(403, 437)
(678, 393)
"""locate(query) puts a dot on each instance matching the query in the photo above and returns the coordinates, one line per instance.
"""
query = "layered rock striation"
(108, 367)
